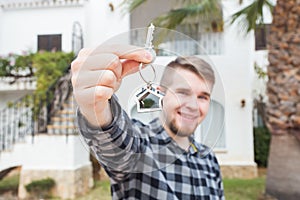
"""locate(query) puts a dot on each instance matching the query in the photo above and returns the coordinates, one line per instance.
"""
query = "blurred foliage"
(9, 184)
(14, 65)
(47, 67)
(252, 16)
(262, 139)
(262, 74)
(186, 12)
(40, 188)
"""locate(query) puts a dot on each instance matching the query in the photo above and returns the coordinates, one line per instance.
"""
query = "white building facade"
(23, 23)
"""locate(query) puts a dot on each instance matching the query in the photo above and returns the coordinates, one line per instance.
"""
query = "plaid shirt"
(143, 162)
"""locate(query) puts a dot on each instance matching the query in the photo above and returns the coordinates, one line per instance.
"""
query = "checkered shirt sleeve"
(143, 162)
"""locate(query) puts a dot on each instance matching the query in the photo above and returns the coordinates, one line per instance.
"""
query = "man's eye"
(203, 97)
(183, 92)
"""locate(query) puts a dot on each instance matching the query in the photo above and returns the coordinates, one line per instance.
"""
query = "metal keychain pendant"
(149, 98)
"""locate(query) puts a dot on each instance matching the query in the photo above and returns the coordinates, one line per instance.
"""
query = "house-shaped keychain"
(149, 99)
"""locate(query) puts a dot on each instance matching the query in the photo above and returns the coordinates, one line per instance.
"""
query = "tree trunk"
(283, 108)
(283, 180)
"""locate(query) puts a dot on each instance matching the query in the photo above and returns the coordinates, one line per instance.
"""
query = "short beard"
(175, 130)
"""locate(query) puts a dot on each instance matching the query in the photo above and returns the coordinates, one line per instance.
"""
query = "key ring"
(147, 82)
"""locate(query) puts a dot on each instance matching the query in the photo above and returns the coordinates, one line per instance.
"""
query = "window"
(261, 34)
(49, 42)
(211, 132)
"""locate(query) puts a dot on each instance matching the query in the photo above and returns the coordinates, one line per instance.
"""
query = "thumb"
(130, 67)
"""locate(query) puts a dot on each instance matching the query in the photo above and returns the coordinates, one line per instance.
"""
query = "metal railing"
(172, 43)
(16, 121)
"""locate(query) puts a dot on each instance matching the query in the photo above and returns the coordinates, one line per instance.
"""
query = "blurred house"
(68, 25)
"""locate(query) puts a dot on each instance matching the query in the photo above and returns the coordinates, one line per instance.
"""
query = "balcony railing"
(17, 4)
(16, 122)
(180, 44)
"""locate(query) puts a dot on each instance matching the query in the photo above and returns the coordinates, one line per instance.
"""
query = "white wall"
(101, 23)
(236, 69)
(20, 27)
(47, 152)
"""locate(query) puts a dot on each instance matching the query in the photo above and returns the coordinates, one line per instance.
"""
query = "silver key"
(149, 98)
(149, 38)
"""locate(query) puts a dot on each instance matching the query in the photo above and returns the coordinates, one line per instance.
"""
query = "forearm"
(115, 145)
(98, 117)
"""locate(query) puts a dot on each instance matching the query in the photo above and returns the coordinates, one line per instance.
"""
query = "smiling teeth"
(188, 116)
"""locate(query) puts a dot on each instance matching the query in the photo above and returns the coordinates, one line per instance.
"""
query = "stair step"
(69, 112)
(61, 129)
(60, 126)
(64, 123)
(63, 119)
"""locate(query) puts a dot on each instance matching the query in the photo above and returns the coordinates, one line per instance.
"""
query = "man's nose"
(192, 102)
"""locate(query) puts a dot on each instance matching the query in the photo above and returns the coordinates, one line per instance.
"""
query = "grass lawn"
(235, 189)
(9, 184)
(100, 191)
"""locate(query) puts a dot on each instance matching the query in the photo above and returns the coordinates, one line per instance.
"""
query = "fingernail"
(148, 56)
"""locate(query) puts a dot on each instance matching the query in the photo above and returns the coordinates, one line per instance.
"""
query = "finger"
(101, 77)
(98, 62)
(93, 95)
(129, 67)
(127, 52)
(85, 52)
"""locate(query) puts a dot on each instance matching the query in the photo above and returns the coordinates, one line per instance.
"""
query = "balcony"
(21, 4)
(176, 43)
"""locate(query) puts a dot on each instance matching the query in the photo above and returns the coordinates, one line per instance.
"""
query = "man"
(160, 160)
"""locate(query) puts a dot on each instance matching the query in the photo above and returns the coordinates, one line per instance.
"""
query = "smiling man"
(159, 160)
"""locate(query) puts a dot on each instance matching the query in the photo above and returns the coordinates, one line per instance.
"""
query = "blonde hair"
(191, 63)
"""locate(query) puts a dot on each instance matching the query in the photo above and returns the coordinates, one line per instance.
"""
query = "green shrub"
(9, 184)
(261, 145)
(40, 188)
(48, 68)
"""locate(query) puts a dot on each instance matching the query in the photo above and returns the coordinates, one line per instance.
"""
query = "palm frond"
(205, 10)
(130, 5)
(250, 16)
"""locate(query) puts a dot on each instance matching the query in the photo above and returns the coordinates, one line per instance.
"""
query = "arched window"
(211, 132)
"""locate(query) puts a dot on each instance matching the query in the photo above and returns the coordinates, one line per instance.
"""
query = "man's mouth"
(188, 116)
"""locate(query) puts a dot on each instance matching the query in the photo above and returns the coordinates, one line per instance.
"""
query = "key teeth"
(150, 36)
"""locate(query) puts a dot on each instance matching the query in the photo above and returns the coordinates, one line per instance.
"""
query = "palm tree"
(283, 107)
(189, 11)
(282, 110)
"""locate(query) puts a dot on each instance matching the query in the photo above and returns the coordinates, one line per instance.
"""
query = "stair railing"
(16, 121)
(58, 95)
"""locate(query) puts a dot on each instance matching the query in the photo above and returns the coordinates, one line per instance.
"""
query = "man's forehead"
(186, 79)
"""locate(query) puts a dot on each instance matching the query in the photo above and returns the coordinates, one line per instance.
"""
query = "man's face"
(186, 102)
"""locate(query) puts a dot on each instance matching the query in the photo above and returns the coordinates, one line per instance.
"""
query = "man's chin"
(184, 133)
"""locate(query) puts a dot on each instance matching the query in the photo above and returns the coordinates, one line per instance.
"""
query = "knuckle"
(74, 80)
(113, 61)
(84, 52)
(109, 77)
(100, 94)
(75, 65)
